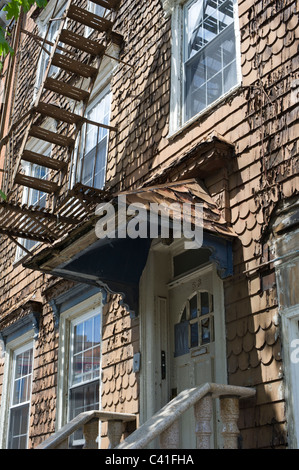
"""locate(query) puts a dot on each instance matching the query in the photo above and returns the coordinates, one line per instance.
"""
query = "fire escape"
(76, 59)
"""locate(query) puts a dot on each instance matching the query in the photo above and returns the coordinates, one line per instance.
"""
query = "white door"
(198, 340)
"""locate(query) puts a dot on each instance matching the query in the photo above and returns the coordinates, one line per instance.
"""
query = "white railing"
(164, 424)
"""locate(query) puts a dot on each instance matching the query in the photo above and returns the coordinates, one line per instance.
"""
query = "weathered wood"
(58, 113)
(53, 137)
(63, 88)
(80, 42)
(89, 19)
(74, 66)
(42, 160)
(36, 183)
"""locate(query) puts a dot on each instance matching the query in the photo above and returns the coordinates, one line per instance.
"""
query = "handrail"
(83, 419)
(164, 423)
(170, 413)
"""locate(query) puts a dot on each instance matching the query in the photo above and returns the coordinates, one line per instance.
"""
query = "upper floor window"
(49, 27)
(210, 65)
(205, 60)
(92, 154)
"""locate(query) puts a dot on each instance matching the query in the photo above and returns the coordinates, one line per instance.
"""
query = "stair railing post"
(203, 411)
(91, 432)
(170, 438)
(115, 431)
(229, 411)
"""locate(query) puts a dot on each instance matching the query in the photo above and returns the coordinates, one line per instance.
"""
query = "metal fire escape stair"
(70, 71)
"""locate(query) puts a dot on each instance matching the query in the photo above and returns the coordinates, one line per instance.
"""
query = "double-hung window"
(92, 154)
(85, 354)
(210, 67)
(19, 408)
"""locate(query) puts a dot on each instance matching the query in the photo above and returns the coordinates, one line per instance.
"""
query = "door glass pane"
(193, 306)
(204, 301)
(205, 331)
(193, 335)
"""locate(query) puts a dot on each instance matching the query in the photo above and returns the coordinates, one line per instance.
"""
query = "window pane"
(210, 55)
(86, 350)
(93, 155)
(193, 335)
(78, 338)
(88, 333)
(77, 368)
(83, 398)
(204, 300)
(193, 306)
(18, 427)
(96, 361)
(97, 330)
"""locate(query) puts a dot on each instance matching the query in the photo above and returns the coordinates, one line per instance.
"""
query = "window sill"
(204, 113)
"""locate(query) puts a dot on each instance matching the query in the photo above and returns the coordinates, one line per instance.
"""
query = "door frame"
(156, 282)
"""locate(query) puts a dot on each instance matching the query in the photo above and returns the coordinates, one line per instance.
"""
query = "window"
(196, 327)
(91, 161)
(205, 56)
(50, 31)
(20, 398)
(85, 365)
(210, 67)
(33, 197)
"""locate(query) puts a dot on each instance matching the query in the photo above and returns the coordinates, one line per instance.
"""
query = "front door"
(198, 340)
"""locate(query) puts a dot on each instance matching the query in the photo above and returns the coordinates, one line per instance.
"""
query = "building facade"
(114, 105)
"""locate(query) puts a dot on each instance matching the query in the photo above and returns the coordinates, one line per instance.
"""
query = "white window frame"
(175, 8)
(81, 311)
(43, 23)
(17, 345)
(93, 103)
(290, 329)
